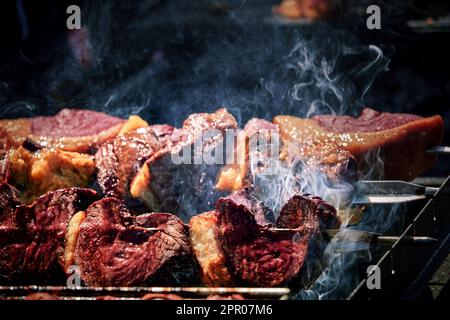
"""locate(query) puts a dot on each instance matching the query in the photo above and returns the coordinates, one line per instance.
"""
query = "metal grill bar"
(133, 292)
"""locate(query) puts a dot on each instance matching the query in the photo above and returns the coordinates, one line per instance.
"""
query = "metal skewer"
(371, 238)
(130, 291)
(391, 192)
(440, 150)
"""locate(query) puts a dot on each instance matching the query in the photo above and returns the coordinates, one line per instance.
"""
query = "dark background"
(165, 59)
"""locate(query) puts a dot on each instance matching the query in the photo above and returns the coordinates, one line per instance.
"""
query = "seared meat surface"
(400, 141)
(236, 244)
(240, 242)
(119, 160)
(256, 255)
(261, 148)
(32, 237)
(178, 179)
(70, 130)
(309, 213)
(115, 248)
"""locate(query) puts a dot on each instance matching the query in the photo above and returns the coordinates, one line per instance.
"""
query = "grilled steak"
(399, 140)
(178, 179)
(204, 234)
(32, 237)
(233, 245)
(255, 254)
(118, 160)
(70, 130)
(115, 248)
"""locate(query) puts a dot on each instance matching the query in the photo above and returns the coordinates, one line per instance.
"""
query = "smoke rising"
(139, 65)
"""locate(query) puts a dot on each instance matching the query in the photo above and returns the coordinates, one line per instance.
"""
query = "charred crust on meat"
(34, 247)
(233, 243)
(115, 248)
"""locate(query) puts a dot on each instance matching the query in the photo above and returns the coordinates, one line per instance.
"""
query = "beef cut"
(205, 233)
(255, 254)
(262, 149)
(70, 130)
(253, 149)
(177, 179)
(32, 236)
(307, 213)
(116, 248)
(397, 141)
(119, 160)
(234, 246)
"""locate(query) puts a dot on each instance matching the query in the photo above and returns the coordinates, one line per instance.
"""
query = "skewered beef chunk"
(178, 179)
(399, 140)
(115, 248)
(36, 172)
(233, 246)
(255, 254)
(118, 160)
(32, 237)
(253, 149)
(243, 198)
(70, 130)
(261, 154)
(309, 213)
(327, 158)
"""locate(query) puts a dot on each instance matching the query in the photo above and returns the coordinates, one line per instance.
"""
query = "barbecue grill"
(405, 266)
(407, 251)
